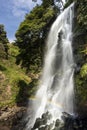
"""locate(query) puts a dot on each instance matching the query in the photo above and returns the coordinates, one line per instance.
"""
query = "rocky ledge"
(68, 122)
(11, 118)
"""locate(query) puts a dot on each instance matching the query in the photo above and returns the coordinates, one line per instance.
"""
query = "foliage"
(81, 76)
(3, 41)
(13, 50)
(47, 3)
(13, 81)
(80, 16)
(80, 39)
(68, 3)
(81, 89)
(83, 71)
(31, 35)
(32, 32)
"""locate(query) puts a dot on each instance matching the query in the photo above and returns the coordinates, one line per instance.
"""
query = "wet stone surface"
(68, 122)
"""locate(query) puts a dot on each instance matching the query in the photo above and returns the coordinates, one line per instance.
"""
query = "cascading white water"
(56, 91)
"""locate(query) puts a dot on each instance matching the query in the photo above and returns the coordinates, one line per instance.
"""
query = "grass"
(13, 74)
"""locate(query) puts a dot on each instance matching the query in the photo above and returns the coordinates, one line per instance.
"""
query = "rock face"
(11, 118)
(68, 122)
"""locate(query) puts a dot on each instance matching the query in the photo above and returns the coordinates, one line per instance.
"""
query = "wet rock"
(4, 127)
(69, 122)
(47, 127)
(11, 118)
(19, 115)
(46, 116)
(38, 123)
(57, 123)
(77, 124)
(42, 121)
(4, 109)
(66, 115)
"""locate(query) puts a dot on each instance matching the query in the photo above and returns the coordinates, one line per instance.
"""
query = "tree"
(82, 13)
(3, 39)
(47, 3)
(31, 35)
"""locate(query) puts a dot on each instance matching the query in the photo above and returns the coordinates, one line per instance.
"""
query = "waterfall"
(56, 91)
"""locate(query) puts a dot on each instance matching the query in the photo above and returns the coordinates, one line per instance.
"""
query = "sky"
(12, 12)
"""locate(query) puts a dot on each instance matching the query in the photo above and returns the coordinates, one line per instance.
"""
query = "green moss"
(83, 71)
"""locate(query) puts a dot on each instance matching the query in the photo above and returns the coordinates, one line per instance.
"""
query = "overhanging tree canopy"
(31, 34)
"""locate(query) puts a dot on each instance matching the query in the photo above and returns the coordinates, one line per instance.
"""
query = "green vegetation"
(81, 86)
(14, 81)
(83, 71)
(32, 33)
(81, 16)
(47, 3)
(3, 42)
(80, 45)
(81, 29)
(26, 54)
(81, 77)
